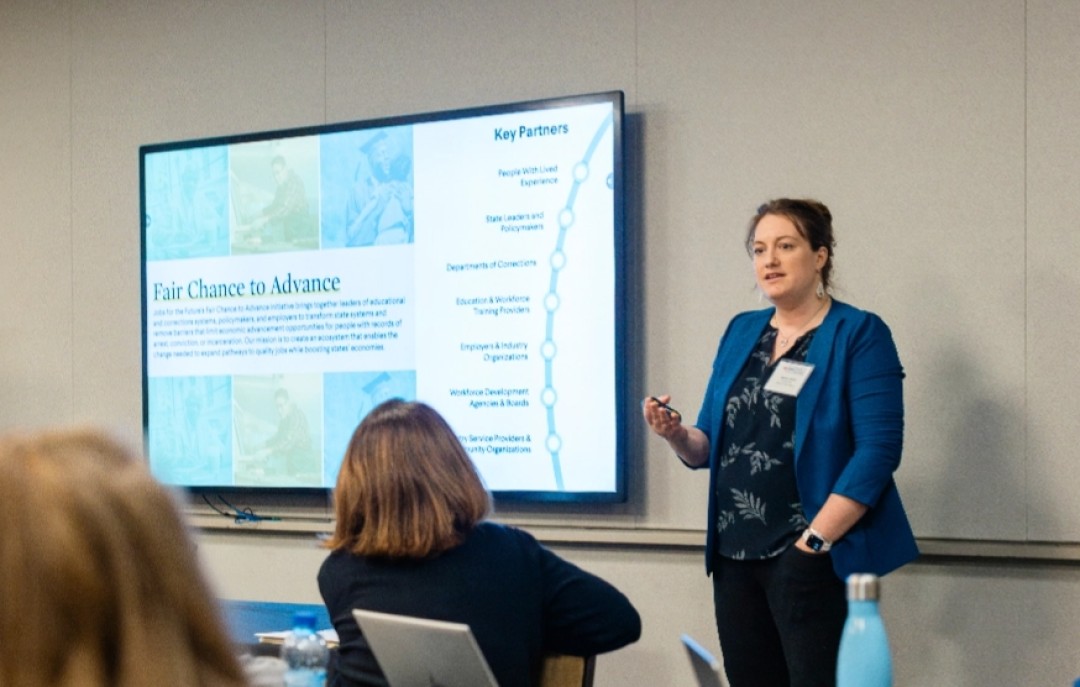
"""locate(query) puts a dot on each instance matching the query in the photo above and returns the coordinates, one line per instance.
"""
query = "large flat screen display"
(470, 259)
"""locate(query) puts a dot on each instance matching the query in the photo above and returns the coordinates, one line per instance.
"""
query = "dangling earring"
(820, 290)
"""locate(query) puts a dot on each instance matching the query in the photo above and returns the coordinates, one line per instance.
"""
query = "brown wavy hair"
(99, 581)
(407, 487)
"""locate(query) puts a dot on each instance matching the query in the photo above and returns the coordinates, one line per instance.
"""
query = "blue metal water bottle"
(864, 659)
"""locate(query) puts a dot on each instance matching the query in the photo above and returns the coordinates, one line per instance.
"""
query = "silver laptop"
(707, 668)
(417, 652)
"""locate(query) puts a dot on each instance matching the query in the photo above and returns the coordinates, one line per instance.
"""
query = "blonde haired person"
(411, 538)
(99, 584)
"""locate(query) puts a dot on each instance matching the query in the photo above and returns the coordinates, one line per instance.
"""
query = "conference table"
(245, 620)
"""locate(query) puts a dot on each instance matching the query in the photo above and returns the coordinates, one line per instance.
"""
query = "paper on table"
(330, 636)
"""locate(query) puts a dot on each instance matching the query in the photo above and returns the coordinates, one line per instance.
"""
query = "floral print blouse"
(759, 511)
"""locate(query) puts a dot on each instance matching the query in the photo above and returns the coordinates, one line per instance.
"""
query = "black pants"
(780, 619)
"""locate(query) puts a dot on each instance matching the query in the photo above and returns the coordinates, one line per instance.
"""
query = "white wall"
(940, 133)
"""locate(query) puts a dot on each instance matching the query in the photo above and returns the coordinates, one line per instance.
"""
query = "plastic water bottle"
(305, 653)
(864, 659)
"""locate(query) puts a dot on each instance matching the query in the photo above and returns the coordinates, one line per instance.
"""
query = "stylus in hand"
(665, 406)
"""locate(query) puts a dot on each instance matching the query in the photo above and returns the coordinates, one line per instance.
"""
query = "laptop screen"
(707, 668)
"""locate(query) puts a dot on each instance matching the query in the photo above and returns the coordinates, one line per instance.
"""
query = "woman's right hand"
(689, 443)
(662, 419)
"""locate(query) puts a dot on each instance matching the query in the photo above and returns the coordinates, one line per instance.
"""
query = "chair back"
(558, 670)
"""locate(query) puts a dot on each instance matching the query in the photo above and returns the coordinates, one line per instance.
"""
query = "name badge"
(788, 377)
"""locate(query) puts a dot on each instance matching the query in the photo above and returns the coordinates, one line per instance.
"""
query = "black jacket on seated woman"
(411, 539)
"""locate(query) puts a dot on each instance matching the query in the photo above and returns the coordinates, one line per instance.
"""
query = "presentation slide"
(293, 282)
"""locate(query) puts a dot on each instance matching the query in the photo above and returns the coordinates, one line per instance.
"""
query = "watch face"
(815, 542)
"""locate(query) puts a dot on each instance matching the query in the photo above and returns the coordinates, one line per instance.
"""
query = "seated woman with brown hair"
(411, 539)
(99, 583)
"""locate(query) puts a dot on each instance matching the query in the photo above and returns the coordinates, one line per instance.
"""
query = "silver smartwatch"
(815, 541)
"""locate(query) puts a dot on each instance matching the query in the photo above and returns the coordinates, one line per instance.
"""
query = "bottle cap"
(863, 587)
(304, 619)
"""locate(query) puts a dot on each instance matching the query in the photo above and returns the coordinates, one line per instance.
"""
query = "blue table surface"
(244, 618)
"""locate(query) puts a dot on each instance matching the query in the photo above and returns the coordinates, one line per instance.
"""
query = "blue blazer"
(849, 431)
